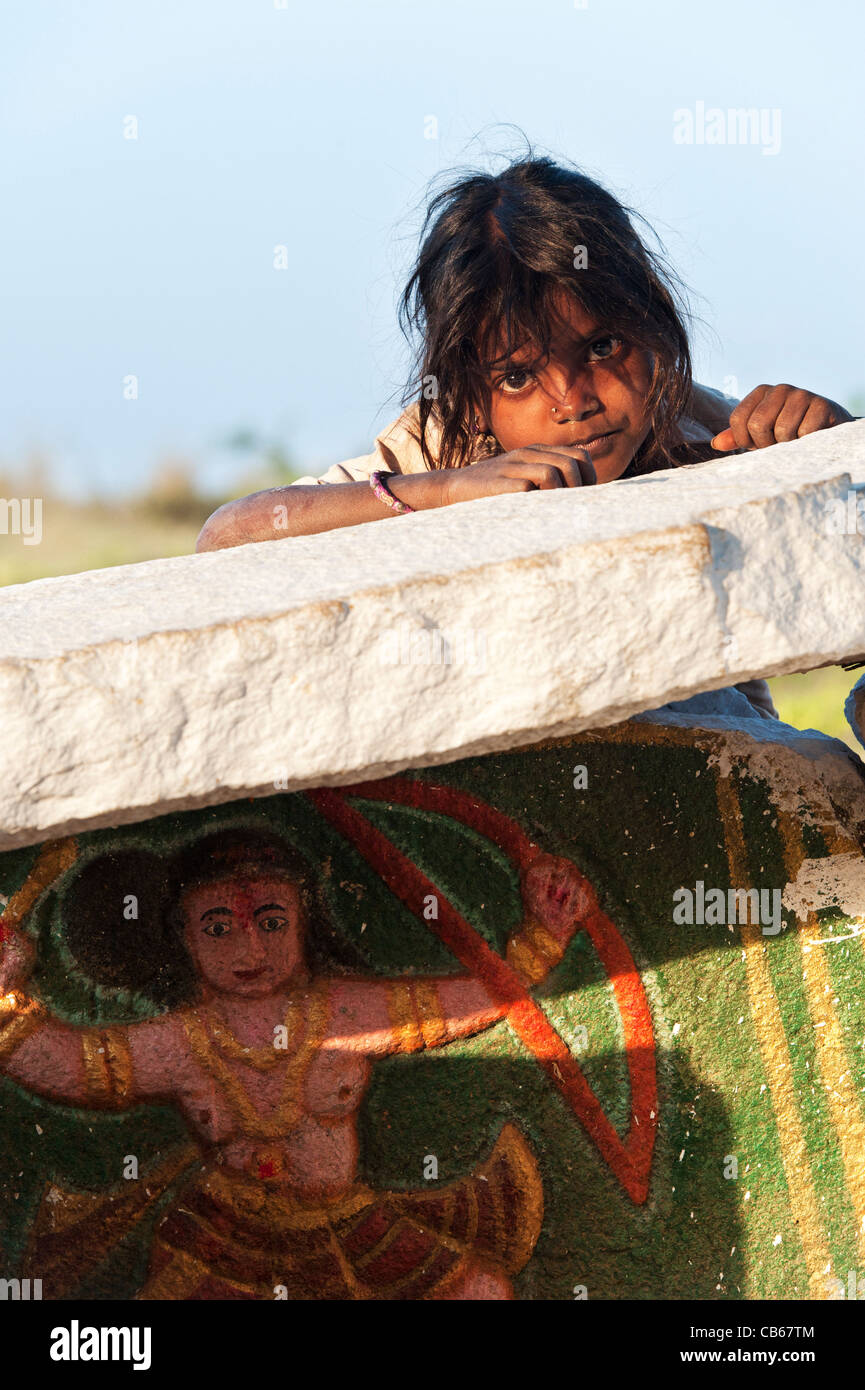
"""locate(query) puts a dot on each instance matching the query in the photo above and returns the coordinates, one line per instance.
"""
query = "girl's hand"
(775, 415)
(522, 470)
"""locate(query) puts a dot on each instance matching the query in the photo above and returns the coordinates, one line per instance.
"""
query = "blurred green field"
(816, 701)
(90, 538)
(164, 519)
(77, 538)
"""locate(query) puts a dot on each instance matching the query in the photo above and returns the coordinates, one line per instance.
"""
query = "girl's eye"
(272, 923)
(516, 380)
(602, 348)
(217, 929)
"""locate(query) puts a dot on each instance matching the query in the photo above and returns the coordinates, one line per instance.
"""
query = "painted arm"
(85, 1066)
(99, 1068)
(81, 1066)
(407, 1015)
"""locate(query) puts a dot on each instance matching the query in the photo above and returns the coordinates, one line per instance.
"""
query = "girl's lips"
(250, 974)
(596, 445)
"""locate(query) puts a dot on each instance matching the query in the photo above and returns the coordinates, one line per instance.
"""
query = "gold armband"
(107, 1067)
(416, 1015)
(400, 1006)
(533, 951)
(19, 1017)
(429, 1013)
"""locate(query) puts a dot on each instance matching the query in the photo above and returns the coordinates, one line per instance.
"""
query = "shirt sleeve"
(396, 450)
(351, 471)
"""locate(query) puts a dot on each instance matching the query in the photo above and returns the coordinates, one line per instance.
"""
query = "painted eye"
(602, 348)
(217, 929)
(272, 923)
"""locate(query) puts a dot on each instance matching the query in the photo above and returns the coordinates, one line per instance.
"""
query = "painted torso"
(292, 1120)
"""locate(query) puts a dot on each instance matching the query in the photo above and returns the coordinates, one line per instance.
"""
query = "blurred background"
(210, 209)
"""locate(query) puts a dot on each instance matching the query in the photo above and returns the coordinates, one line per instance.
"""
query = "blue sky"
(304, 126)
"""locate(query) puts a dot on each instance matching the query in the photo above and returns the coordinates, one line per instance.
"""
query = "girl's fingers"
(741, 416)
(818, 416)
(740, 420)
(792, 415)
(585, 467)
(775, 415)
(761, 421)
(562, 466)
(724, 441)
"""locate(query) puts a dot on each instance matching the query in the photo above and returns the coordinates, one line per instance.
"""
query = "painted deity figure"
(269, 1060)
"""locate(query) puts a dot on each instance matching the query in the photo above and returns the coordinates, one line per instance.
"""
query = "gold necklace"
(289, 1109)
(261, 1058)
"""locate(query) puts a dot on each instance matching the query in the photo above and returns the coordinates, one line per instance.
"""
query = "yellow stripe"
(764, 1005)
(772, 1040)
(118, 1062)
(842, 1097)
(53, 859)
(97, 1081)
(428, 1010)
(400, 1007)
(178, 1278)
(17, 1022)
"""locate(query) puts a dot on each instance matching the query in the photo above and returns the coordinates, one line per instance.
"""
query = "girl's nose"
(573, 399)
(575, 408)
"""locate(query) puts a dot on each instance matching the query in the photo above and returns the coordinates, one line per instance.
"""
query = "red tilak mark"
(630, 1161)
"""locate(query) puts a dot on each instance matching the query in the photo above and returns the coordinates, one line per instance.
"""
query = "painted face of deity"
(245, 935)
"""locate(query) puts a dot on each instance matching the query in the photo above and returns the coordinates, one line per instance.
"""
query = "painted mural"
(480, 1031)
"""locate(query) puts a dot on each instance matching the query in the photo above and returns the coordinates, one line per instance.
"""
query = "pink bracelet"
(382, 492)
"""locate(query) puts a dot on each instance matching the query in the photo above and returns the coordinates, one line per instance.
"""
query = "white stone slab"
(184, 682)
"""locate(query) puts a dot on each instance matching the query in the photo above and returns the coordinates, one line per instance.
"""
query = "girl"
(553, 354)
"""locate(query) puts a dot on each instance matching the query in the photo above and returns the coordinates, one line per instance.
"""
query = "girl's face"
(245, 935)
(596, 383)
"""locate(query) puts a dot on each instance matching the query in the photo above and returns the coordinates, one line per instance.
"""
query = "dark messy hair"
(148, 956)
(497, 251)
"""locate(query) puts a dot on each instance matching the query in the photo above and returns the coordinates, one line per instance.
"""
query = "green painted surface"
(647, 823)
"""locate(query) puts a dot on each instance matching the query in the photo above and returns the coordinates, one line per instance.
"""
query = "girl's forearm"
(305, 511)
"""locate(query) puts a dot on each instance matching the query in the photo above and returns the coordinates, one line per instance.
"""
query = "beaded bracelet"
(383, 493)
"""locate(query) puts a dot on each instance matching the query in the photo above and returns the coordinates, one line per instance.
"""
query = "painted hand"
(557, 895)
(17, 954)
